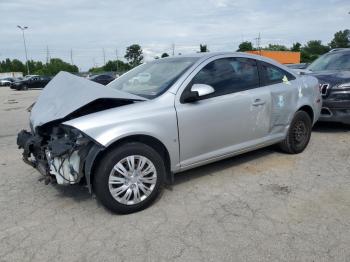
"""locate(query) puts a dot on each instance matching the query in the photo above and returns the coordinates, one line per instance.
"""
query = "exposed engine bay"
(58, 155)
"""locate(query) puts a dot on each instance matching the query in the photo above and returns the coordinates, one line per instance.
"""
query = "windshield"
(150, 80)
(331, 61)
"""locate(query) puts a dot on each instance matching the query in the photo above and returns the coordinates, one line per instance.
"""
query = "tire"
(108, 178)
(298, 135)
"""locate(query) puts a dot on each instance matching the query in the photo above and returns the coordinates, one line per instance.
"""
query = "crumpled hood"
(66, 93)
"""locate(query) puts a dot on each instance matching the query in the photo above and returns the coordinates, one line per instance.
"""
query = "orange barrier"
(283, 57)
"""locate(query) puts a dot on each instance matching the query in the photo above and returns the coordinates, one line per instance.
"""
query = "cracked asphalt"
(260, 206)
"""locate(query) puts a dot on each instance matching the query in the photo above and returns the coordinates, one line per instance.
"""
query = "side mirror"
(197, 91)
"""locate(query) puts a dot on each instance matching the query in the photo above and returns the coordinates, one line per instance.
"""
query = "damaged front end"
(59, 153)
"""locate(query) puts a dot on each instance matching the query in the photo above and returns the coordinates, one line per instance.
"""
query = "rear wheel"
(129, 178)
(299, 134)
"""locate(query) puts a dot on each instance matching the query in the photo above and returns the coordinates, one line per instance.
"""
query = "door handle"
(258, 102)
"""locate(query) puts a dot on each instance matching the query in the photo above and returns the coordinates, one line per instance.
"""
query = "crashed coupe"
(127, 139)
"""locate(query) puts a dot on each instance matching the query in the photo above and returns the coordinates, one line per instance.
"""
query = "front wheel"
(298, 135)
(129, 178)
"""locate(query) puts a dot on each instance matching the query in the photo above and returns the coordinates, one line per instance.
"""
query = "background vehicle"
(6, 81)
(32, 81)
(102, 79)
(141, 78)
(127, 139)
(333, 72)
(298, 66)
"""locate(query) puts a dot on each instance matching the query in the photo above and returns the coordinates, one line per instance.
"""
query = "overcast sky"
(86, 27)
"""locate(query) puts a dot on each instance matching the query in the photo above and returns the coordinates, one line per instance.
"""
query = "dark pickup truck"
(333, 72)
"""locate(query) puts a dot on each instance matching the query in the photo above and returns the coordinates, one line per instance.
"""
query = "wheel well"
(145, 139)
(309, 111)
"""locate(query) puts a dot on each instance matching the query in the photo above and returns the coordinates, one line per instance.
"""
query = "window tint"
(228, 75)
(272, 74)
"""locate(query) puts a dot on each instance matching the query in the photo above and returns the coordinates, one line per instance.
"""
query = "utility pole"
(116, 54)
(25, 46)
(71, 56)
(104, 56)
(48, 58)
(173, 48)
(258, 39)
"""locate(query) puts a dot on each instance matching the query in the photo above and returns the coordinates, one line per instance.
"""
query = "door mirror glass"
(202, 89)
(197, 91)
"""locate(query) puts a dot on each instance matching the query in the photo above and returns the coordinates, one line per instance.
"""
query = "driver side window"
(228, 75)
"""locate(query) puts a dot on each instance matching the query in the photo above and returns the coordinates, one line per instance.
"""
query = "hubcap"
(300, 132)
(132, 179)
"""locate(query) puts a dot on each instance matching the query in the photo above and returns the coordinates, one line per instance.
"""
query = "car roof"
(339, 50)
(206, 55)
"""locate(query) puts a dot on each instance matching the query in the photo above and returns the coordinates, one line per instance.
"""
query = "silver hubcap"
(132, 179)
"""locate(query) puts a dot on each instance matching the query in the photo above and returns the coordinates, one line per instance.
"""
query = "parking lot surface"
(260, 206)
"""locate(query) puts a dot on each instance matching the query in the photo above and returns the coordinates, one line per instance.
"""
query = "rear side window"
(271, 74)
(228, 75)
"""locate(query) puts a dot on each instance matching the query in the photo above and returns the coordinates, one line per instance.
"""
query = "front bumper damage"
(63, 158)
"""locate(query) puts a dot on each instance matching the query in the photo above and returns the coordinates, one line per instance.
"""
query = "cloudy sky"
(87, 27)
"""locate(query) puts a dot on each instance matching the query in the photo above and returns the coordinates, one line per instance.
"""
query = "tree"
(111, 66)
(312, 50)
(296, 47)
(276, 47)
(245, 46)
(341, 39)
(164, 55)
(134, 55)
(203, 48)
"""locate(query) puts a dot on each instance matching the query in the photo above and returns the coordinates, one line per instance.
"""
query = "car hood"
(67, 93)
(331, 77)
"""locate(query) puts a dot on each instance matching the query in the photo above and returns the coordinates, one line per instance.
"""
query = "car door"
(234, 117)
(34, 82)
(284, 95)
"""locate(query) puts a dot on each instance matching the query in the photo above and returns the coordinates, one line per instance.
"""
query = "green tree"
(203, 48)
(245, 46)
(341, 39)
(312, 50)
(164, 55)
(276, 47)
(296, 47)
(134, 55)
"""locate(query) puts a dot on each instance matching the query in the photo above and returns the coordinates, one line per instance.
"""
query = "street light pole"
(25, 46)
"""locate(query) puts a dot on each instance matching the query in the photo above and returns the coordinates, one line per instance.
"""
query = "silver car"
(127, 139)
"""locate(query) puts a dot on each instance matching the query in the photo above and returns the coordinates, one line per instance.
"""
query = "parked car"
(31, 81)
(126, 140)
(6, 81)
(141, 78)
(102, 79)
(298, 66)
(333, 72)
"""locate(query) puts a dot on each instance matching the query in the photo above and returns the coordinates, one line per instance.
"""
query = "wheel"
(298, 135)
(129, 178)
